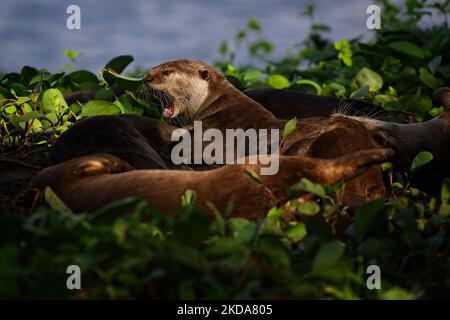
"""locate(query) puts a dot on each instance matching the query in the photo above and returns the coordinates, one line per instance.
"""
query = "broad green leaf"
(309, 208)
(99, 107)
(407, 48)
(43, 76)
(289, 127)
(16, 119)
(278, 81)
(297, 232)
(306, 185)
(368, 77)
(118, 64)
(275, 213)
(436, 111)
(22, 100)
(327, 256)
(53, 101)
(81, 76)
(429, 79)
(360, 92)
(421, 159)
(382, 99)
(366, 216)
(252, 75)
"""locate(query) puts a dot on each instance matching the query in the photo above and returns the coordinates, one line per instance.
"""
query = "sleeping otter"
(288, 104)
(87, 183)
(141, 141)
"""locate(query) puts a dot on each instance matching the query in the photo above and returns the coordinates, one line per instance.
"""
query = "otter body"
(194, 91)
(136, 139)
(287, 104)
(90, 182)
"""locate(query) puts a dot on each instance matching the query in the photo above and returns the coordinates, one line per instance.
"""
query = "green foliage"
(33, 108)
(317, 249)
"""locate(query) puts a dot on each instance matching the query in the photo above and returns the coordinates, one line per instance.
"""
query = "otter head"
(181, 85)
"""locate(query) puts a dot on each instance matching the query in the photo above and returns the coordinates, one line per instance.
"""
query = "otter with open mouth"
(192, 90)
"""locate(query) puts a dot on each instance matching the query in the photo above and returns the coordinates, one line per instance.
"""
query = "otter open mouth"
(167, 102)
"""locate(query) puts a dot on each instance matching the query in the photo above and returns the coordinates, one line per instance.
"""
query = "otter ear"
(204, 74)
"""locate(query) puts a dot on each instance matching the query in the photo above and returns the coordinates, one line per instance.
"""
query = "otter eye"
(166, 72)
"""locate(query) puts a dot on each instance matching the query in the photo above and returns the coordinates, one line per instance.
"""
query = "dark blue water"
(34, 32)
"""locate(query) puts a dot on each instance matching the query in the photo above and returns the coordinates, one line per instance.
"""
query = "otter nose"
(148, 78)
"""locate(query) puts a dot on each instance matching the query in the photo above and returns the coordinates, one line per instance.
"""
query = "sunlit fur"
(185, 86)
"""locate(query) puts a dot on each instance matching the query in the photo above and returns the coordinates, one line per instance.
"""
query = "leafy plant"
(310, 248)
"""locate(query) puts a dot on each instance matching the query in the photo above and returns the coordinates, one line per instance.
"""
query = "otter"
(194, 91)
(141, 141)
(408, 140)
(287, 104)
(87, 183)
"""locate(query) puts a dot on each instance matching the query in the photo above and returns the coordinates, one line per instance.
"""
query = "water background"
(34, 32)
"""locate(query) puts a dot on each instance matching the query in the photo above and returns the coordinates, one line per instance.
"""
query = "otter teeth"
(168, 110)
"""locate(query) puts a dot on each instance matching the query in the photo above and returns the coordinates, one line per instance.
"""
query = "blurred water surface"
(34, 32)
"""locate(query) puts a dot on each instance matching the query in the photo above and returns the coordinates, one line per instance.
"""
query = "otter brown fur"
(87, 183)
(287, 104)
(141, 141)
(195, 91)
(408, 140)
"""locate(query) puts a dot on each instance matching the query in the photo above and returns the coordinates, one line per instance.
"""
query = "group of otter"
(106, 158)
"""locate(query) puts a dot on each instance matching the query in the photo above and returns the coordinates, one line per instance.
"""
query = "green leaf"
(252, 174)
(306, 185)
(434, 64)
(396, 294)
(53, 101)
(42, 76)
(421, 159)
(278, 81)
(311, 83)
(289, 127)
(366, 217)
(309, 208)
(16, 119)
(361, 92)
(252, 75)
(366, 76)
(253, 24)
(81, 76)
(188, 198)
(118, 64)
(55, 202)
(327, 256)
(71, 54)
(345, 52)
(99, 107)
(429, 79)
(407, 48)
(275, 213)
(297, 232)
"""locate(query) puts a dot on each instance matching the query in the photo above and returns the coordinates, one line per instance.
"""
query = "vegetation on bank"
(325, 254)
